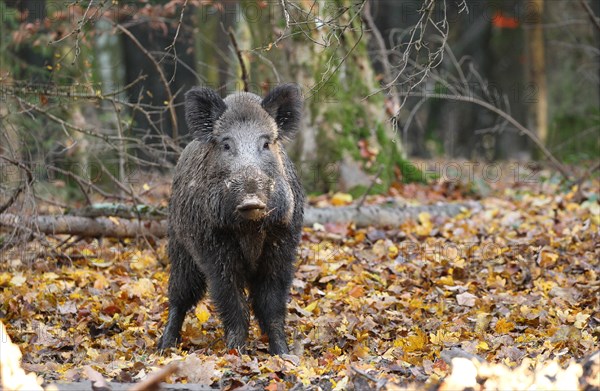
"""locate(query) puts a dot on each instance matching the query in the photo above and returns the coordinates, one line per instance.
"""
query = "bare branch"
(19, 189)
(470, 99)
(595, 20)
(240, 58)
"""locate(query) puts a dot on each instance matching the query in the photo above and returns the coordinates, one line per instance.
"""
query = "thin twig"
(384, 58)
(238, 52)
(120, 185)
(18, 191)
(364, 196)
(105, 137)
(81, 182)
(286, 17)
(172, 45)
(590, 12)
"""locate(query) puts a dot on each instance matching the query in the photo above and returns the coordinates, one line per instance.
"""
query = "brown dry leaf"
(196, 370)
(466, 299)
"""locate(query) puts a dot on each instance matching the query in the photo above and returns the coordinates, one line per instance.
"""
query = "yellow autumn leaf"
(140, 288)
(547, 259)
(5, 277)
(92, 354)
(445, 280)
(340, 385)
(442, 337)
(336, 351)
(311, 307)
(425, 224)
(416, 342)
(142, 261)
(202, 313)
(101, 282)
(572, 207)
(425, 218)
(50, 276)
(503, 326)
(393, 251)
(100, 262)
(340, 199)
(482, 345)
(76, 296)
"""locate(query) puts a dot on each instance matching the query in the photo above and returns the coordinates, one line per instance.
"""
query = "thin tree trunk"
(538, 69)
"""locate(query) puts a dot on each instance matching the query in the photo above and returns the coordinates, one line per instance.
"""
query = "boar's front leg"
(269, 290)
(226, 288)
(187, 286)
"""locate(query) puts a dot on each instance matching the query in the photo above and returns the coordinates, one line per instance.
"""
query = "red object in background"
(504, 22)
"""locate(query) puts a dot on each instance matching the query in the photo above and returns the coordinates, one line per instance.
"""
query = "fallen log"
(86, 226)
(380, 215)
(119, 227)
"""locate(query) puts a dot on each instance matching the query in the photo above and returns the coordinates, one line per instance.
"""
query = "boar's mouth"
(252, 208)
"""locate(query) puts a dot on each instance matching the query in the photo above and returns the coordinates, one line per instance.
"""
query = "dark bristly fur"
(235, 214)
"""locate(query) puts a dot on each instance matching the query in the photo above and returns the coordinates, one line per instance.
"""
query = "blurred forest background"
(92, 92)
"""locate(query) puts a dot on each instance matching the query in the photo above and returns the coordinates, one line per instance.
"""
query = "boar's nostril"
(251, 203)
(252, 208)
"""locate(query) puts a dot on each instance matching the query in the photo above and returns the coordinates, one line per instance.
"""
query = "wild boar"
(235, 213)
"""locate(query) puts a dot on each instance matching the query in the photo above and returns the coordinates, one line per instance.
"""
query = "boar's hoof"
(252, 208)
(166, 343)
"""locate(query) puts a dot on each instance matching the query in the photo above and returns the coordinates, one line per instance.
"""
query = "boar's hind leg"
(269, 302)
(187, 285)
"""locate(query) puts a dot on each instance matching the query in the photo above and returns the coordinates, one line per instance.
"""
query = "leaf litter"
(513, 288)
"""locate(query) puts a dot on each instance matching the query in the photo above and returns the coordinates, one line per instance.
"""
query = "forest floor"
(514, 284)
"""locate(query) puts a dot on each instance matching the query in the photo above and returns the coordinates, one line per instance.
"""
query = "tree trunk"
(537, 70)
(346, 140)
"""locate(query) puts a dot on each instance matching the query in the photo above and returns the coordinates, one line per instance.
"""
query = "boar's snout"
(254, 191)
(252, 208)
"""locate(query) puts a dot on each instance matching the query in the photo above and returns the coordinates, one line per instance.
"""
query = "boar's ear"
(284, 104)
(203, 107)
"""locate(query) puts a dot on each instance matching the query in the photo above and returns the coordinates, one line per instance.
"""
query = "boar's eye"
(266, 145)
(226, 147)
